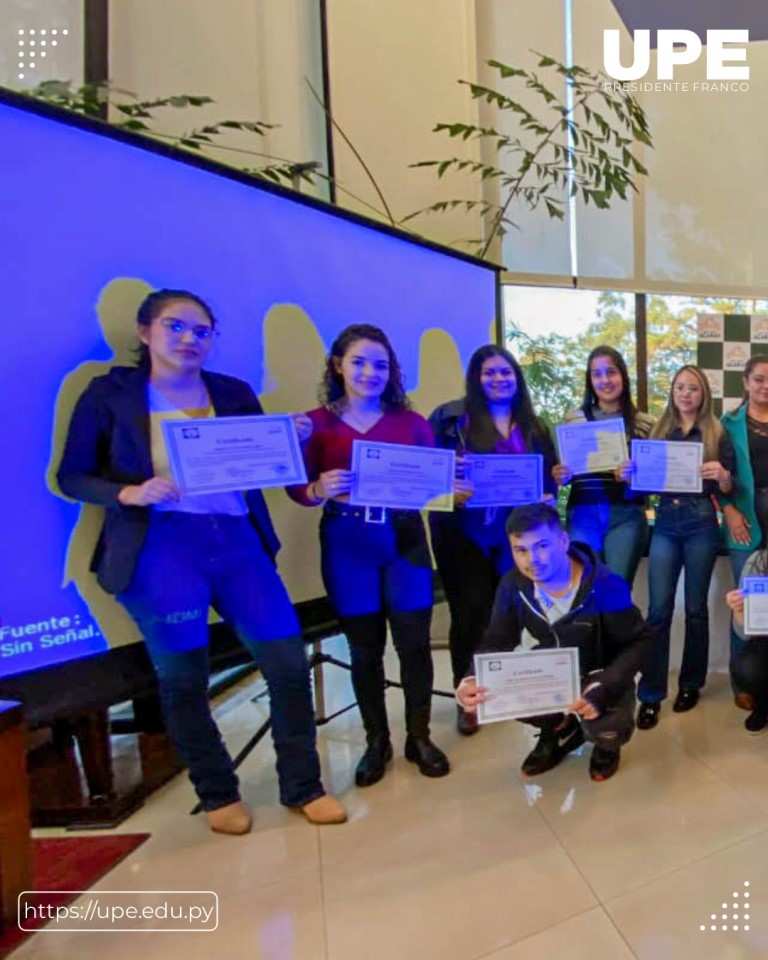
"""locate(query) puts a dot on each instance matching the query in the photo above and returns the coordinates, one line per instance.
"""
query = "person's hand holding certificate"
(401, 476)
(504, 480)
(662, 466)
(594, 446)
(755, 590)
(527, 683)
(221, 454)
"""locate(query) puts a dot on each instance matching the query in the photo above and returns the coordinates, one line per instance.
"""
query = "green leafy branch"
(581, 147)
(126, 110)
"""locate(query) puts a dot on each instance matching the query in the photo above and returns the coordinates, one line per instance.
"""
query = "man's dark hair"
(532, 515)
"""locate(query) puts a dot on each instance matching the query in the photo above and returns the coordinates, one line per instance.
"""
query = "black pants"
(615, 725)
(749, 670)
(367, 635)
(378, 573)
(470, 577)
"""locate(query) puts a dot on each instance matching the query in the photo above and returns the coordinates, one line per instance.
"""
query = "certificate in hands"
(401, 476)
(505, 480)
(593, 446)
(221, 454)
(527, 683)
(663, 466)
(755, 606)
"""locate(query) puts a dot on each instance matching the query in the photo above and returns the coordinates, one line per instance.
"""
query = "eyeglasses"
(176, 328)
(687, 388)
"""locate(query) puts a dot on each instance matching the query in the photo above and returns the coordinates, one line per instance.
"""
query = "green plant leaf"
(506, 71)
(135, 125)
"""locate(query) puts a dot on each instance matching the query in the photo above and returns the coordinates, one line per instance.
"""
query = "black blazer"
(108, 447)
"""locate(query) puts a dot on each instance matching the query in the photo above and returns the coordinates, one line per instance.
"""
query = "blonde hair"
(710, 427)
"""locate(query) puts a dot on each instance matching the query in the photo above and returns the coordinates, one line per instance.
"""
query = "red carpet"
(71, 863)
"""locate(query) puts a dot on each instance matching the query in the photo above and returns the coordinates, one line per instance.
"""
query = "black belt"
(336, 508)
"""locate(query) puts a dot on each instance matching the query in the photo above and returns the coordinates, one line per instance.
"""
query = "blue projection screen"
(91, 221)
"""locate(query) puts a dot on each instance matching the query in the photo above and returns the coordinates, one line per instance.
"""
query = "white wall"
(394, 70)
(251, 56)
(719, 616)
(45, 55)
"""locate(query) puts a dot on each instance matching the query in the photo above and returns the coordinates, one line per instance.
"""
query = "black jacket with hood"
(603, 623)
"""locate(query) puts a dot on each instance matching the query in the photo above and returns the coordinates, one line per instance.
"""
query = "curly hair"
(331, 391)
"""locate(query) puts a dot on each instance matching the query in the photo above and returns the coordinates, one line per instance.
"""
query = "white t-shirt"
(553, 608)
(160, 408)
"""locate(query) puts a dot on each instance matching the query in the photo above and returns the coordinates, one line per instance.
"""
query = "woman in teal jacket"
(745, 509)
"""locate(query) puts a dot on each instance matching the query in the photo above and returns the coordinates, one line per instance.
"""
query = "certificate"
(593, 446)
(505, 480)
(755, 606)
(402, 476)
(221, 454)
(663, 466)
(527, 683)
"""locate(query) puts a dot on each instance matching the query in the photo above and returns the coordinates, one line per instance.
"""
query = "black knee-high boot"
(367, 637)
(410, 633)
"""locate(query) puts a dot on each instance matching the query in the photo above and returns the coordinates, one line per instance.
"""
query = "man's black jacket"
(603, 623)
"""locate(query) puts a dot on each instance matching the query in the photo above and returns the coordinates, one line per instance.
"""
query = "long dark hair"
(331, 391)
(152, 305)
(628, 409)
(749, 369)
(482, 434)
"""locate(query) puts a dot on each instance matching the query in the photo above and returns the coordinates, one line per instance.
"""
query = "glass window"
(552, 332)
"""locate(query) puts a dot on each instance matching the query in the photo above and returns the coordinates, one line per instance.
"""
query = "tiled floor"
(479, 864)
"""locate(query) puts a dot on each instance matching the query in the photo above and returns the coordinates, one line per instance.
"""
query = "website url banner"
(132, 911)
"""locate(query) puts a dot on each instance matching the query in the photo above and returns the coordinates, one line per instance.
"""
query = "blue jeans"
(188, 563)
(617, 532)
(373, 567)
(685, 536)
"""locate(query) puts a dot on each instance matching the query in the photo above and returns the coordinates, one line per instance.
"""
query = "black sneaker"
(604, 762)
(755, 724)
(553, 746)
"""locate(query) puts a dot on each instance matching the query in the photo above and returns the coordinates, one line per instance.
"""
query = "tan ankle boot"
(323, 810)
(235, 819)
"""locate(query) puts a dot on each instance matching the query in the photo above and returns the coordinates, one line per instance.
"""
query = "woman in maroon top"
(376, 564)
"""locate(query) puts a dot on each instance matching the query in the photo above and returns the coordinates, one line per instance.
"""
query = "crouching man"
(564, 597)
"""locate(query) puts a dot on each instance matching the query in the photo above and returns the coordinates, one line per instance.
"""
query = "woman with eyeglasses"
(686, 536)
(376, 564)
(169, 556)
(602, 511)
(471, 545)
(745, 510)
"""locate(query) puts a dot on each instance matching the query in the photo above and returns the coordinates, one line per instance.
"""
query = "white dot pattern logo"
(31, 63)
(735, 916)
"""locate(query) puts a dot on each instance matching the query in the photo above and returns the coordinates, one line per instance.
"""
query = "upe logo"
(676, 48)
